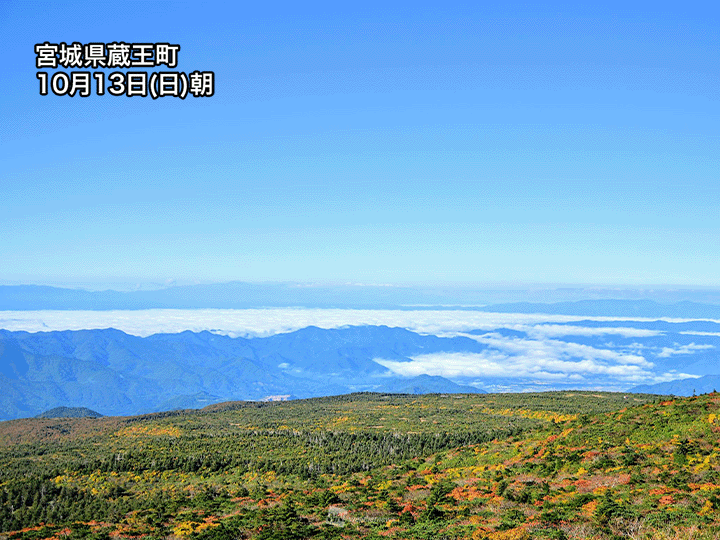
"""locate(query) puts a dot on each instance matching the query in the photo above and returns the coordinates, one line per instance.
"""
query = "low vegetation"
(497, 466)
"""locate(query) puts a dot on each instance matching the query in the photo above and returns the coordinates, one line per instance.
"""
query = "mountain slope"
(117, 373)
(556, 465)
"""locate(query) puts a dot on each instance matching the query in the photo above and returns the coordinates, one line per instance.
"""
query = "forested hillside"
(115, 373)
(498, 466)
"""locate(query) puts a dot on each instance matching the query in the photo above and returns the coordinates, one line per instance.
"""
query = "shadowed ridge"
(70, 412)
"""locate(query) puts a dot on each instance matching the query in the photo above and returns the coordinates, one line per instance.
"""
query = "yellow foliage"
(536, 415)
(383, 485)
(269, 476)
(187, 528)
(510, 534)
(342, 488)
(149, 430)
(183, 529)
(707, 508)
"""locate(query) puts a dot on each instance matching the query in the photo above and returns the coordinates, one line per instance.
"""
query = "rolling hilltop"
(497, 466)
(69, 412)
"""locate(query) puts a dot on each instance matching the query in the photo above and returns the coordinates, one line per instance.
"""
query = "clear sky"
(408, 144)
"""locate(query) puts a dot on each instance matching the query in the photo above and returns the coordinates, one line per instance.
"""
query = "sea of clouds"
(544, 352)
(269, 321)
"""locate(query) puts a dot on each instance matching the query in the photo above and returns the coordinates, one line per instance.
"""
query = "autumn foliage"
(496, 467)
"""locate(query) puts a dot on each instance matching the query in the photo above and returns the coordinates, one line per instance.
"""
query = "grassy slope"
(555, 465)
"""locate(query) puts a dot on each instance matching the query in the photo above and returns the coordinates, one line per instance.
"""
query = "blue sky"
(405, 144)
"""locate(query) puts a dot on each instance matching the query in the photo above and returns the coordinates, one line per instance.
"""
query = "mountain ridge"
(706, 384)
(120, 373)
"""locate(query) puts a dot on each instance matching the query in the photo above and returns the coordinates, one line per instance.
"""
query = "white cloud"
(263, 322)
(691, 348)
(539, 359)
(494, 364)
(277, 320)
(673, 375)
(527, 358)
(550, 348)
(557, 330)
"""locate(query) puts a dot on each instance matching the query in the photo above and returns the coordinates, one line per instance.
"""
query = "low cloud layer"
(690, 348)
(494, 364)
(535, 350)
(558, 330)
(264, 322)
(536, 359)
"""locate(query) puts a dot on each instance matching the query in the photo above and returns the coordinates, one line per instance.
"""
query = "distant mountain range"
(240, 295)
(119, 374)
(614, 308)
(682, 387)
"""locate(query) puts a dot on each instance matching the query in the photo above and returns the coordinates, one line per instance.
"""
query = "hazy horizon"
(121, 284)
(597, 300)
